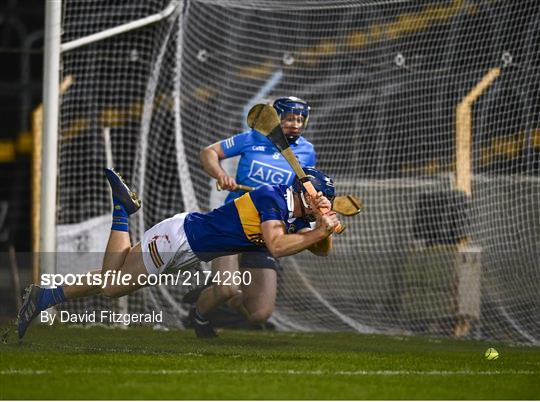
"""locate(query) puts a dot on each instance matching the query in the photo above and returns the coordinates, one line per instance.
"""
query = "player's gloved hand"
(226, 182)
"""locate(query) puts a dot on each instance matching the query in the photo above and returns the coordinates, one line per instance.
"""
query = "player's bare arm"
(210, 159)
(281, 244)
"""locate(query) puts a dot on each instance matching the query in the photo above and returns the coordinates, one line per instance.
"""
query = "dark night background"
(21, 52)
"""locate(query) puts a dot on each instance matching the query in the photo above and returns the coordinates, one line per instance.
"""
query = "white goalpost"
(425, 110)
(51, 95)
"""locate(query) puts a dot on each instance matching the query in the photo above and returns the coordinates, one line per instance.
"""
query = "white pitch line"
(127, 350)
(357, 373)
(24, 372)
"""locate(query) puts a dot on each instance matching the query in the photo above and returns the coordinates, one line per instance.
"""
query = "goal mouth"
(385, 81)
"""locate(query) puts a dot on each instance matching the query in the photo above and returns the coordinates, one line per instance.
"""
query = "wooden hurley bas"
(346, 205)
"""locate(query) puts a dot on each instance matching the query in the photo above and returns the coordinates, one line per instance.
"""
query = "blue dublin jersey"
(261, 163)
(235, 227)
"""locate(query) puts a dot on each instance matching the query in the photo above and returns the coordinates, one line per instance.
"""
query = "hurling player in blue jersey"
(260, 163)
(276, 218)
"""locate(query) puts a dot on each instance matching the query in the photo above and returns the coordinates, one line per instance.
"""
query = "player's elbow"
(112, 292)
(204, 154)
(275, 238)
(276, 250)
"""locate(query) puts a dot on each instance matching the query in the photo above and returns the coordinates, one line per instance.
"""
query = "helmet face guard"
(320, 181)
(292, 105)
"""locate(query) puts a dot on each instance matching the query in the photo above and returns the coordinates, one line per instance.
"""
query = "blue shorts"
(257, 259)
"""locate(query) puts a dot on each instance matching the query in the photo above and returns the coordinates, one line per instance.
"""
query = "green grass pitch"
(62, 362)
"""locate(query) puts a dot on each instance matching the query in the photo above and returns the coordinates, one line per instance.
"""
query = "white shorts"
(165, 246)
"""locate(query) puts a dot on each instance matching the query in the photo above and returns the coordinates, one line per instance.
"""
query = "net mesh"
(383, 79)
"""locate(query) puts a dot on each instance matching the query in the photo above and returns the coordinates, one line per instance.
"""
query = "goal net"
(384, 79)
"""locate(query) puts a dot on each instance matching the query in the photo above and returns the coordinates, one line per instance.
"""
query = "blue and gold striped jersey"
(236, 226)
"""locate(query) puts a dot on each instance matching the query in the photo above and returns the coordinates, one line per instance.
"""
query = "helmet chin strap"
(304, 202)
(304, 205)
(291, 139)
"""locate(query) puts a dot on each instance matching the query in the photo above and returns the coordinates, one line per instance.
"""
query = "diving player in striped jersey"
(273, 217)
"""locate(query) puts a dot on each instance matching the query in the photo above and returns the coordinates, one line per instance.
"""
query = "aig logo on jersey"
(264, 173)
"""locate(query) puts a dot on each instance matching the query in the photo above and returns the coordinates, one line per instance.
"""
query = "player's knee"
(112, 292)
(260, 316)
(225, 292)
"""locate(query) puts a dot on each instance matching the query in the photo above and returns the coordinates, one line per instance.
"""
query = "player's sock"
(50, 297)
(202, 326)
(120, 220)
(200, 317)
